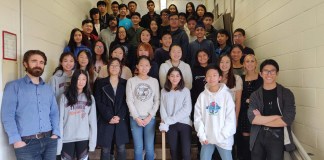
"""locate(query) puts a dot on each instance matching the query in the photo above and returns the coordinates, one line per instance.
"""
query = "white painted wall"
(45, 25)
(291, 32)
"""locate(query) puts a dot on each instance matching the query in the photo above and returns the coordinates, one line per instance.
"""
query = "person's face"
(114, 9)
(151, 7)
(114, 68)
(118, 53)
(176, 53)
(200, 32)
(182, 21)
(153, 26)
(174, 21)
(203, 58)
(212, 77)
(82, 81)
(35, 65)
(221, 39)
(269, 74)
(143, 52)
(191, 25)
(174, 78)
(189, 8)
(136, 20)
(87, 28)
(95, 16)
(123, 11)
(164, 17)
(132, 7)
(236, 54)
(145, 36)
(83, 60)
(208, 21)
(99, 48)
(250, 63)
(225, 64)
(238, 38)
(166, 40)
(143, 67)
(113, 23)
(172, 9)
(102, 8)
(122, 33)
(77, 37)
(67, 63)
(200, 11)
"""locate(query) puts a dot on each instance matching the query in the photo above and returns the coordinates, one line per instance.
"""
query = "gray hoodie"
(59, 82)
(78, 123)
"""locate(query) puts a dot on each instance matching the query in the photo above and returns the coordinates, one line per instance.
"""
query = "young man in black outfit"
(272, 107)
(146, 19)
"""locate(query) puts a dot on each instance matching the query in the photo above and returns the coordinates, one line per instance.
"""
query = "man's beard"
(36, 71)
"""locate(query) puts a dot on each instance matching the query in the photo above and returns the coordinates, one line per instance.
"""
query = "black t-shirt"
(270, 102)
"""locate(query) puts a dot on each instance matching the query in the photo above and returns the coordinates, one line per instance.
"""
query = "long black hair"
(117, 40)
(72, 91)
(193, 13)
(123, 61)
(89, 67)
(72, 44)
(104, 56)
(63, 55)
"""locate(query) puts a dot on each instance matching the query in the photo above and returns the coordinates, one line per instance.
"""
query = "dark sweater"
(195, 46)
(160, 56)
(146, 19)
(180, 37)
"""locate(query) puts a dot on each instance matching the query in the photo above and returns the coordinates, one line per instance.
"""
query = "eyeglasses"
(99, 47)
(271, 72)
(165, 15)
(238, 36)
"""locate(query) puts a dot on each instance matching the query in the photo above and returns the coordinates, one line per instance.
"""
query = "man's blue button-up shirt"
(28, 109)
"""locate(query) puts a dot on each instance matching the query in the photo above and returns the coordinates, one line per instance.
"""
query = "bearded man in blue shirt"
(30, 113)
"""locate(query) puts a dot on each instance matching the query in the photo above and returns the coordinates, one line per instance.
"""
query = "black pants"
(80, 149)
(269, 145)
(183, 132)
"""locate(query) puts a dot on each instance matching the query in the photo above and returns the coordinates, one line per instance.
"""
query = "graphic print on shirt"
(213, 108)
(143, 92)
(78, 109)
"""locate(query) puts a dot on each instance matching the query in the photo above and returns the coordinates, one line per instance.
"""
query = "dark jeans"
(269, 145)
(183, 132)
(106, 154)
(78, 149)
(37, 149)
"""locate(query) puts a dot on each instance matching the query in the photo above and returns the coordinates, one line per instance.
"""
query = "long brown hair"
(168, 85)
(231, 82)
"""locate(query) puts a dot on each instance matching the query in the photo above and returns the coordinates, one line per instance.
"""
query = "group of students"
(109, 84)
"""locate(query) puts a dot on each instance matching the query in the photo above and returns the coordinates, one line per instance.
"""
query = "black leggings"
(80, 149)
(182, 132)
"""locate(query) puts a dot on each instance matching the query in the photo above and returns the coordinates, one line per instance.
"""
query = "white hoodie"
(214, 117)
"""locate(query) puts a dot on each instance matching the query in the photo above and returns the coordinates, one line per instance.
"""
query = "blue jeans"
(147, 133)
(208, 149)
(37, 149)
